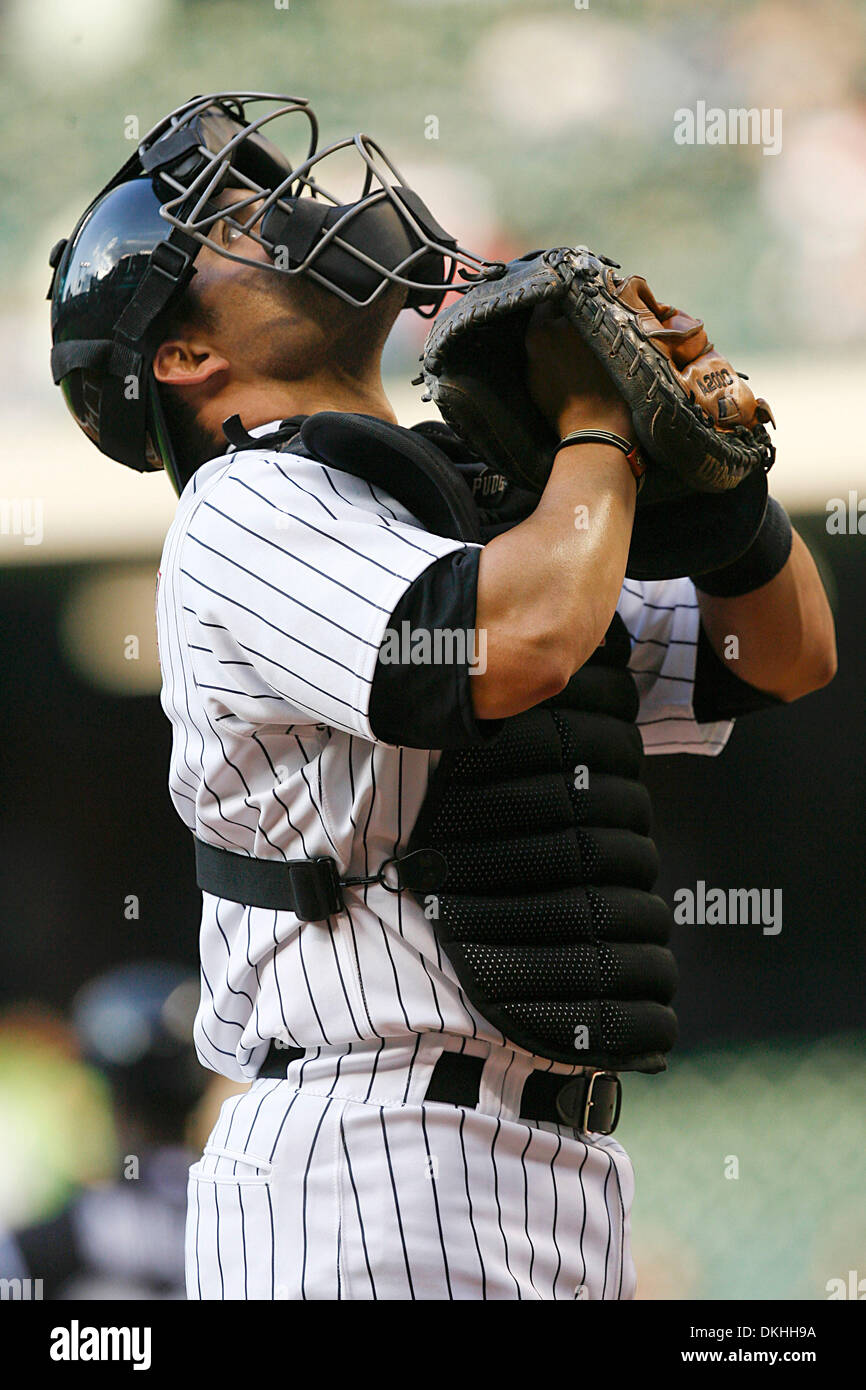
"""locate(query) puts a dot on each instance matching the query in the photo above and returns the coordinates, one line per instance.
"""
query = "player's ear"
(186, 362)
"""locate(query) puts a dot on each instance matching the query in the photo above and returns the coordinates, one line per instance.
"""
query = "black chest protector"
(546, 914)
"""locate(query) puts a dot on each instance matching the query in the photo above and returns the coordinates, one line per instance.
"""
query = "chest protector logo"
(547, 914)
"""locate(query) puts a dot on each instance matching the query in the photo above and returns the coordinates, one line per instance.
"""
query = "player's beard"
(193, 445)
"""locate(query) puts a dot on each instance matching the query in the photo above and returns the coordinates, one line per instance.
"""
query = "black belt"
(587, 1103)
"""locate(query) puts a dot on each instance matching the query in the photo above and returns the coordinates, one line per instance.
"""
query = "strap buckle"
(316, 888)
(591, 1106)
(169, 260)
(420, 871)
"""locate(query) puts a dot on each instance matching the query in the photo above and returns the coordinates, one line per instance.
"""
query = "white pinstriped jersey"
(277, 581)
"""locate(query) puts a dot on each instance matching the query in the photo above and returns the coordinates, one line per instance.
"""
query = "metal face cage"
(355, 247)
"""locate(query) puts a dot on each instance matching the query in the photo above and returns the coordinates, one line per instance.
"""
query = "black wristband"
(633, 456)
(765, 557)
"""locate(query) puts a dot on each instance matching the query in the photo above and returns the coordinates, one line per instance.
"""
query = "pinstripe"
(433, 1183)
(215, 1190)
(411, 1068)
(243, 781)
(358, 1209)
(621, 1230)
(660, 607)
(273, 1242)
(318, 810)
(396, 1204)
(384, 929)
(253, 651)
(277, 976)
(499, 1207)
(351, 1011)
(289, 555)
(274, 462)
(582, 1279)
(372, 1030)
(374, 1069)
(226, 1021)
(555, 1215)
(609, 1224)
(304, 1198)
(243, 1237)
(526, 1210)
(308, 985)
(469, 1205)
(328, 539)
(190, 723)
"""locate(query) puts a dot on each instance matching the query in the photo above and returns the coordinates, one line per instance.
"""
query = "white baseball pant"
(340, 1183)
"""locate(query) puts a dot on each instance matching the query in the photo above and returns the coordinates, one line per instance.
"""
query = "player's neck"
(259, 403)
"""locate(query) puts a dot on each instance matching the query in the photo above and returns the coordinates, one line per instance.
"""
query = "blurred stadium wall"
(523, 123)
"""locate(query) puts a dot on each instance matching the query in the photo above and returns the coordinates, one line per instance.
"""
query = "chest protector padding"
(547, 915)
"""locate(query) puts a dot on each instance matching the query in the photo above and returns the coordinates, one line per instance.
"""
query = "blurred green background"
(550, 123)
(554, 124)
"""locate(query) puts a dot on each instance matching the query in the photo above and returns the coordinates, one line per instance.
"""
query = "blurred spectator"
(124, 1238)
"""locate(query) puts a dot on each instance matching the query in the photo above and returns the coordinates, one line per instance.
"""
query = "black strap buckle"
(310, 888)
(316, 887)
(169, 260)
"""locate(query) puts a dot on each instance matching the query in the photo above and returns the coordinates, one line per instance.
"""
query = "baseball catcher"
(411, 675)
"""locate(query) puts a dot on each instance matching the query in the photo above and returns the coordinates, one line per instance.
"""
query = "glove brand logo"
(729, 907)
(438, 646)
(736, 126)
(715, 381)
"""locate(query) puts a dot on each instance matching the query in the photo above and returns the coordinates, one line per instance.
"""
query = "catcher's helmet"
(135, 1024)
(132, 253)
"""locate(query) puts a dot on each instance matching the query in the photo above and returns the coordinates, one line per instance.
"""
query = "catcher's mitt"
(699, 425)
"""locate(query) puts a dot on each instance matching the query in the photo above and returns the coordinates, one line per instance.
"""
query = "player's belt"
(590, 1103)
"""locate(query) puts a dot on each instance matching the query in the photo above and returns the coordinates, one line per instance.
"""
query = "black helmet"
(132, 253)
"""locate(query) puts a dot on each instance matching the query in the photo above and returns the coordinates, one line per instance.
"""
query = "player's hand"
(567, 383)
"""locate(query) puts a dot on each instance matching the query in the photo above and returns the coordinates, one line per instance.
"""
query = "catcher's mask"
(132, 253)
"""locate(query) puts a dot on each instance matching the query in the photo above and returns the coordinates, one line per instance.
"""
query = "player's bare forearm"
(786, 641)
(547, 589)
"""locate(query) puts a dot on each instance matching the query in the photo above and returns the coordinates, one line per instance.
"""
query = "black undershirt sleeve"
(428, 703)
(718, 692)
